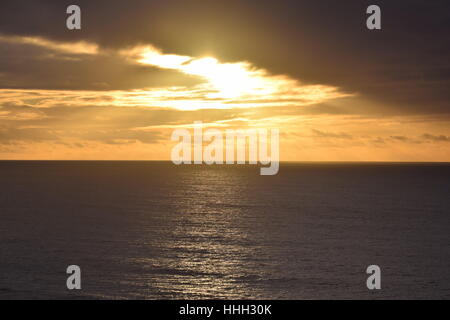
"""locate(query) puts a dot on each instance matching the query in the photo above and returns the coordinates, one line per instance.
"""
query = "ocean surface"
(153, 230)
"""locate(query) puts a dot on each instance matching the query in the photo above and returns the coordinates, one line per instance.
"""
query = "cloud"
(237, 84)
(322, 134)
(426, 137)
(138, 69)
(403, 69)
(75, 48)
(400, 138)
(212, 84)
(56, 116)
(40, 63)
(436, 138)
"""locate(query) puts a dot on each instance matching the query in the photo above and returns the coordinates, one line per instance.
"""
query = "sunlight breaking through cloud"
(223, 85)
(232, 85)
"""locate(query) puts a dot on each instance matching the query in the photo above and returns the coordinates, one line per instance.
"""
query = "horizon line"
(283, 161)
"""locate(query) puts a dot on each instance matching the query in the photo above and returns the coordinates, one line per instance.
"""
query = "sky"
(137, 70)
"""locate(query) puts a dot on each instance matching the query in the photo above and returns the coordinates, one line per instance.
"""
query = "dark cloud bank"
(404, 67)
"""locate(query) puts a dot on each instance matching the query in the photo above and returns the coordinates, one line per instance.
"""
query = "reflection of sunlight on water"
(156, 231)
(208, 245)
(206, 233)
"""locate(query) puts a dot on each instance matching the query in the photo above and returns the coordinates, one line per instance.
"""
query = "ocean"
(153, 230)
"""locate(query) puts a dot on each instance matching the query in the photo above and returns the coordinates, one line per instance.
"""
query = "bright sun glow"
(229, 85)
(229, 80)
